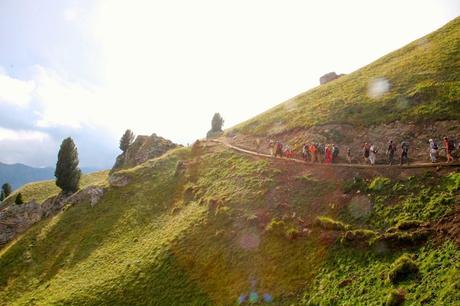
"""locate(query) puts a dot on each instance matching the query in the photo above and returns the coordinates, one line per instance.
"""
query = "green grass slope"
(40, 191)
(424, 79)
(230, 227)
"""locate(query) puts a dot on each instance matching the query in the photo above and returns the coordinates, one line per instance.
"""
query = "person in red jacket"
(328, 153)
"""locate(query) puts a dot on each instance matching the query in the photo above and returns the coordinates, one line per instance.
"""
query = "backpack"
(451, 145)
(434, 146)
(405, 147)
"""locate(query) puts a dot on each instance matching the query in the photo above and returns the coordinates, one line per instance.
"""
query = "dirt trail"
(340, 165)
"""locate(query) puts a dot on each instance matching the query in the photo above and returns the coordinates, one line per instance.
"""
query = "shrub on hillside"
(275, 226)
(397, 239)
(395, 298)
(356, 184)
(292, 233)
(402, 268)
(358, 236)
(18, 200)
(379, 184)
(405, 225)
(331, 224)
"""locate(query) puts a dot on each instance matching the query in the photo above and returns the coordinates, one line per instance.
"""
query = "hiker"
(372, 154)
(313, 152)
(335, 153)
(320, 153)
(404, 153)
(449, 147)
(257, 142)
(278, 149)
(391, 152)
(271, 146)
(366, 151)
(328, 154)
(288, 151)
(433, 151)
(349, 157)
(305, 152)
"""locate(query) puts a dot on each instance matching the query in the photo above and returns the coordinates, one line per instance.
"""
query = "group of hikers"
(328, 153)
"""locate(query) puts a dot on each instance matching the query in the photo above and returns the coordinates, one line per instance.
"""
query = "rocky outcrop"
(16, 219)
(328, 77)
(143, 149)
(118, 180)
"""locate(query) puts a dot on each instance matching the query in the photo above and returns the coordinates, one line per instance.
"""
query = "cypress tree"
(217, 123)
(126, 140)
(19, 199)
(6, 188)
(67, 172)
(2, 196)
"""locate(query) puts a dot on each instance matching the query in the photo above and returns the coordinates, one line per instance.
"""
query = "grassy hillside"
(227, 228)
(209, 226)
(40, 191)
(424, 79)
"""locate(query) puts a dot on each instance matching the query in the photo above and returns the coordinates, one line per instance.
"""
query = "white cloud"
(14, 91)
(22, 135)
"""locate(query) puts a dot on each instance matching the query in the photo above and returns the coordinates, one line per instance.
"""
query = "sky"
(91, 69)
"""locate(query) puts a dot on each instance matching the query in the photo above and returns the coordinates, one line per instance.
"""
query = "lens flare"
(253, 297)
(378, 87)
(268, 298)
(359, 206)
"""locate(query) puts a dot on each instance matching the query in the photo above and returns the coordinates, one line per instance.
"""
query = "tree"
(126, 140)
(19, 199)
(216, 126)
(2, 196)
(6, 188)
(217, 123)
(67, 172)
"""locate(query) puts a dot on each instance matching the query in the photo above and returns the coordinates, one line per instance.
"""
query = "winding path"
(410, 166)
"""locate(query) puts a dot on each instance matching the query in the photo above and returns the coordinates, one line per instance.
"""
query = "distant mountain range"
(20, 174)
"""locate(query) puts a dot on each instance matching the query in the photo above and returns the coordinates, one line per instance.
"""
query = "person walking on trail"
(328, 154)
(349, 157)
(278, 149)
(404, 153)
(313, 152)
(271, 146)
(372, 154)
(391, 152)
(433, 151)
(366, 152)
(305, 152)
(335, 153)
(321, 152)
(288, 152)
(449, 147)
(257, 142)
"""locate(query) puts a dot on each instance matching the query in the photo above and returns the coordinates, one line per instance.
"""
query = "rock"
(92, 194)
(328, 77)
(118, 180)
(15, 219)
(143, 149)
